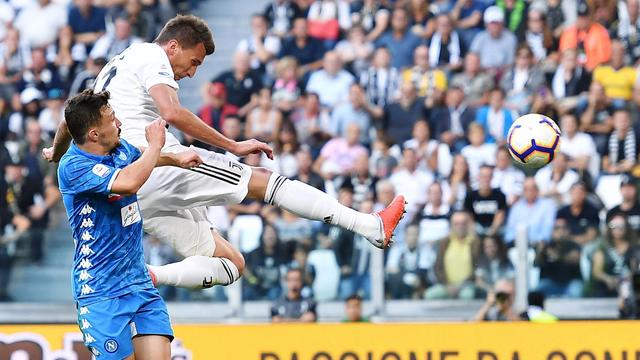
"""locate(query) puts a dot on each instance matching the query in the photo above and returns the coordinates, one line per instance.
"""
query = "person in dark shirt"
(629, 207)
(305, 171)
(292, 307)
(87, 22)
(280, 15)
(262, 273)
(582, 217)
(308, 51)
(487, 205)
(242, 84)
(400, 116)
(559, 263)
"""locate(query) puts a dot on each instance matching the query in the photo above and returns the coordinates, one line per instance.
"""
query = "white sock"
(311, 203)
(196, 272)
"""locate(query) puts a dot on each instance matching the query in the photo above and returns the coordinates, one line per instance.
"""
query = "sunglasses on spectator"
(616, 226)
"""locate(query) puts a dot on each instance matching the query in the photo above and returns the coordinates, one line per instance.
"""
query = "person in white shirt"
(332, 82)
(40, 23)
(142, 82)
(260, 45)
(578, 146)
(412, 181)
(555, 180)
(113, 43)
(506, 177)
(478, 152)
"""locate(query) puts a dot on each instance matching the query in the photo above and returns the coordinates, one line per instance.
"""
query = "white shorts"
(174, 200)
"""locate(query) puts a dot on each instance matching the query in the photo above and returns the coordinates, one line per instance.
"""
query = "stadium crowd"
(366, 99)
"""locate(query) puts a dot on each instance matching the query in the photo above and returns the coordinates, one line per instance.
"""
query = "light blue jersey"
(107, 228)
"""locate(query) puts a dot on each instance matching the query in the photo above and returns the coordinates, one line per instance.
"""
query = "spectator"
(241, 83)
(40, 74)
(617, 79)
(30, 100)
(429, 83)
(261, 46)
(280, 15)
(216, 109)
(286, 89)
(478, 152)
(353, 310)
(355, 51)
(445, 47)
(486, 205)
(356, 111)
(14, 58)
(515, 13)
(407, 267)
(522, 81)
(7, 14)
(495, 118)
(611, 260)
(433, 221)
(40, 22)
(361, 181)
(589, 38)
(52, 114)
(305, 171)
(385, 193)
(292, 307)
(113, 43)
(535, 311)
(468, 17)
(560, 15)
(85, 79)
(338, 155)
(399, 116)
(383, 159)
(285, 147)
(506, 177)
(533, 211)
(400, 41)
(473, 81)
(264, 121)
(142, 22)
(381, 80)
(499, 303)
(426, 148)
(538, 35)
(307, 50)
(459, 182)
(578, 146)
(621, 154)
(629, 207)
(628, 28)
(326, 18)
(582, 217)
(559, 263)
(293, 231)
(556, 179)
(373, 16)
(87, 22)
(596, 119)
(456, 259)
(312, 122)
(496, 45)
(451, 122)
(412, 182)
(569, 82)
(262, 273)
(331, 82)
(493, 264)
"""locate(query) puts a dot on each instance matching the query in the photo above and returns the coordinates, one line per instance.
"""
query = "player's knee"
(238, 261)
(258, 182)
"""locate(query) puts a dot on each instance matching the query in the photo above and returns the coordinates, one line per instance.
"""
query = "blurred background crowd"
(365, 99)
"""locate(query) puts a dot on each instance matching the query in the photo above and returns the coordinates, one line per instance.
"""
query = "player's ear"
(173, 46)
(92, 135)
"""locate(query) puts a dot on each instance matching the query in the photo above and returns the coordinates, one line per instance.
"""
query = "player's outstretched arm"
(166, 99)
(186, 159)
(130, 179)
(60, 143)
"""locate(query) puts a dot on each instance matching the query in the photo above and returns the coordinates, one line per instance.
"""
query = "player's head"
(187, 40)
(91, 120)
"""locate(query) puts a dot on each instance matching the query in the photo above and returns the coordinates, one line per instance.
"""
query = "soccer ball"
(533, 140)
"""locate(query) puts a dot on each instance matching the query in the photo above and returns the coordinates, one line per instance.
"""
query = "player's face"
(109, 130)
(184, 62)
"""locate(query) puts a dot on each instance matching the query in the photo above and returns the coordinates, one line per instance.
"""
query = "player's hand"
(251, 146)
(47, 154)
(188, 159)
(156, 133)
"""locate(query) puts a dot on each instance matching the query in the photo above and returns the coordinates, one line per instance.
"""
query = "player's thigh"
(220, 180)
(187, 231)
(152, 347)
(105, 326)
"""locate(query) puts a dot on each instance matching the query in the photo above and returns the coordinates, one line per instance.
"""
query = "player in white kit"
(142, 83)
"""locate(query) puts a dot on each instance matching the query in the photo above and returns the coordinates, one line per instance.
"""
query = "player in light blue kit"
(120, 312)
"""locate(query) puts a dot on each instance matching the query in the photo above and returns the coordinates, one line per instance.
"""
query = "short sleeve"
(157, 71)
(80, 175)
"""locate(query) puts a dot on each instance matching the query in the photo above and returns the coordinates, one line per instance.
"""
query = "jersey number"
(109, 76)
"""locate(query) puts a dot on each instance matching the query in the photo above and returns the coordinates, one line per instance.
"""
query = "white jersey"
(128, 77)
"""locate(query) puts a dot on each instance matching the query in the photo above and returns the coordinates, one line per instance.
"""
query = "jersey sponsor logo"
(94, 351)
(164, 73)
(85, 264)
(86, 236)
(84, 275)
(100, 170)
(89, 339)
(86, 250)
(130, 214)
(86, 210)
(111, 346)
(86, 290)
(122, 156)
(86, 223)
(84, 310)
(85, 324)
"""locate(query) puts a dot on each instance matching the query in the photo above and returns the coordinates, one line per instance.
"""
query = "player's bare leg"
(151, 347)
(311, 203)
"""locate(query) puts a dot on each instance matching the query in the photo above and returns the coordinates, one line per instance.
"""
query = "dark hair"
(293, 269)
(189, 31)
(355, 297)
(536, 298)
(84, 111)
